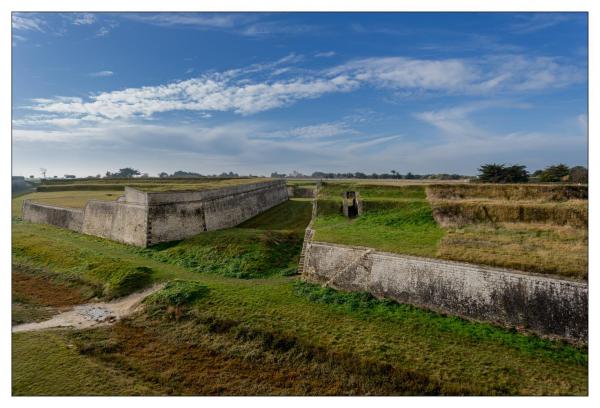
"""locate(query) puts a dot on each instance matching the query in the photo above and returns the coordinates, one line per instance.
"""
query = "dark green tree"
(554, 173)
(578, 174)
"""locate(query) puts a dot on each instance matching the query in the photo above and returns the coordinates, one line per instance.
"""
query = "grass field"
(73, 199)
(269, 335)
(537, 228)
(144, 184)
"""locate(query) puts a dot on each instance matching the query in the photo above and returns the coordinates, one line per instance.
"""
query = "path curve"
(92, 314)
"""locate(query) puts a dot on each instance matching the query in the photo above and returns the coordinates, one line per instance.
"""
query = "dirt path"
(92, 314)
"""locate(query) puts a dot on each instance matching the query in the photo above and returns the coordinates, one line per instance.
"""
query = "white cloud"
(103, 31)
(247, 91)
(101, 74)
(326, 54)
(26, 22)
(532, 22)
(198, 20)
(84, 19)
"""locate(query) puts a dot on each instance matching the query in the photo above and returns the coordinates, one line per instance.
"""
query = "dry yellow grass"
(72, 199)
(550, 249)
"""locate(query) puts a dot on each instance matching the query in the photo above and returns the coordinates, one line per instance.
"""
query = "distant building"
(70, 176)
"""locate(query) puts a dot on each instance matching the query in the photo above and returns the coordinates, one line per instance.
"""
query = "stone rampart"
(146, 218)
(542, 304)
(69, 218)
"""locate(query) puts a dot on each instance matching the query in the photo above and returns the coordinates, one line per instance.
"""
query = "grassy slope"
(460, 355)
(395, 219)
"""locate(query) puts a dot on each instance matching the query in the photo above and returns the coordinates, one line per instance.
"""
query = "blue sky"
(256, 93)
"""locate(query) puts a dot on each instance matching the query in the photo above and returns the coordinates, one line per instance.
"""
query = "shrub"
(555, 173)
(120, 278)
(178, 293)
(500, 173)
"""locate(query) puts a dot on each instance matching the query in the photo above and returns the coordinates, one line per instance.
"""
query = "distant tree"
(126, 172)
(98, 176)
(69, 176)
(578, 174)
(281, 175)
(162, 174)
(517, 174)
(409, 176)
(43, 171)
(31, 176)
(491, 173)
(537, 173)
(555, 173)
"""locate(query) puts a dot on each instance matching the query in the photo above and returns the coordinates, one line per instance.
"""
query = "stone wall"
(542, 304)
(70, 218)
(147, 218)
(115, 220)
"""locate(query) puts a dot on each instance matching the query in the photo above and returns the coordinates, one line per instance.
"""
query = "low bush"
(178, 293)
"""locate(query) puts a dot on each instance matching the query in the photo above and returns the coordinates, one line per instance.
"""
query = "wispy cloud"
(529, 23)
(195, 20)
(101, 74)
(84, 19)
(242, 90)
(325, 54)
(27, 22)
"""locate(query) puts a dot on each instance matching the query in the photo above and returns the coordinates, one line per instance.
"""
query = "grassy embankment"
(395, 219)
(537, 228)
(533, 228)
(271, 335)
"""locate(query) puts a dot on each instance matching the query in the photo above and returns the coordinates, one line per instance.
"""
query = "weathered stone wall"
(147, 218)
(70, 218)
(189, 213)
(115, 220)
(538, 303)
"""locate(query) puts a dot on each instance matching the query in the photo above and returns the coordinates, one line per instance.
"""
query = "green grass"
(45, 363)
(271, 334)
(444, 349)
(237, 252)
(395, 219)
(292, 215)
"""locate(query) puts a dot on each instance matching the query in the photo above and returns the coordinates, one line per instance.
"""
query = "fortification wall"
(173, 216)
(538, 303)
(70, 218)
(115, 220)
(147, 218)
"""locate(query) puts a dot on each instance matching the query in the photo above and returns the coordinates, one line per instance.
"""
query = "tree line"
(501, 173)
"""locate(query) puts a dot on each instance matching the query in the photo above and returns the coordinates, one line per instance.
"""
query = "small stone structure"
(351, 204)
(147, 218)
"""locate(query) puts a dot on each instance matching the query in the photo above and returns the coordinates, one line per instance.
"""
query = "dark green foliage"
(500, 173)
(238, 253)
(120, 278)
(178, 293)
(578, 174)
(555, 173)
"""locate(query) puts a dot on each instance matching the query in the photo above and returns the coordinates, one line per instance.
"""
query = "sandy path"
(92, 314)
